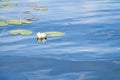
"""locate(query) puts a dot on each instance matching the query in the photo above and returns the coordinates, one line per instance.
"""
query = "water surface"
(89, 50)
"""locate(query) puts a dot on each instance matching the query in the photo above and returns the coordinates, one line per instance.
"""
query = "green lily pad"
(32, 19)
(26, 21)
(42, 9)
(32, 5)
(4, 0)
(54, 34)
(27, 12)
(14, 21)
(20, 31)
(8, 5)
(18, 21)
(3, 24)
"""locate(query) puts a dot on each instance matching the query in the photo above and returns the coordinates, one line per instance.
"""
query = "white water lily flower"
(41, 35)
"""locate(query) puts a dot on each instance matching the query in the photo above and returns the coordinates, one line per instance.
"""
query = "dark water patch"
(107, 34)
(54, 68)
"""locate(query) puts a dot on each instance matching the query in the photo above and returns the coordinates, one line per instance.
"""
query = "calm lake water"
(90, 50)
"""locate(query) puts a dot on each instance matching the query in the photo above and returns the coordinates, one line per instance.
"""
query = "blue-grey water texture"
(90, 49)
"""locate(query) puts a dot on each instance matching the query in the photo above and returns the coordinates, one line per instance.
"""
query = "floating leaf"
(27, 12)
(54, 34)
(3, 24)
(26, 21)
(42, 9)
(32, 5)
(8, 5)
(4, 0)
(20, 31)
(18, 21)
(69, 23)
(32, 19)
(14, 21)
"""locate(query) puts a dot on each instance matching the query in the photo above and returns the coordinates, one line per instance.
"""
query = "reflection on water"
(89, 50)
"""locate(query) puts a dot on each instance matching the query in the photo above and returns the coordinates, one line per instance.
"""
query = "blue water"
(90, 49)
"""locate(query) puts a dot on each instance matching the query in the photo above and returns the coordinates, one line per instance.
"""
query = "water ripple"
(94, 28)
